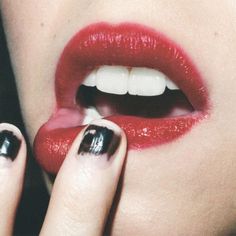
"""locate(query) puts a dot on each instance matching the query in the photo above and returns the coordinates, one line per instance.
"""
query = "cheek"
(173, 191)
(36, 105)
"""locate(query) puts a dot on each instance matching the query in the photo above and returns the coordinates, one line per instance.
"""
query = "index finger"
(86, 184)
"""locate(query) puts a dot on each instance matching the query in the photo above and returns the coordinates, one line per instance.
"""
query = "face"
(180, 171)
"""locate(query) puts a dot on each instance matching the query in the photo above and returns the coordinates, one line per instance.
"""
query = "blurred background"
(35, 197)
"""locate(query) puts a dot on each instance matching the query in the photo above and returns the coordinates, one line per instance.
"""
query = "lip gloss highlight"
(129, 45)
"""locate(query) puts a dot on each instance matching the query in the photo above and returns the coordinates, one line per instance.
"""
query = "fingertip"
(12, 167)
(101, 137)
(118, 132)
(12, 143)
(11, 127)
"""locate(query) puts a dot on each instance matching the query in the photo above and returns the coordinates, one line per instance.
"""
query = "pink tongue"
(64, 118)
(107, 105)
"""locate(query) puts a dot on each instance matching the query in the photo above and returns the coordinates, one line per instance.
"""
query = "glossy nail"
(9, 144)
(99, 140)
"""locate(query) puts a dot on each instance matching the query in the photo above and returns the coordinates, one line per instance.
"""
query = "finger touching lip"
(127, 46)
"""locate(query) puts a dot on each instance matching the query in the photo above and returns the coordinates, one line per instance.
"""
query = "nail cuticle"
(99, 141)
(9, 144)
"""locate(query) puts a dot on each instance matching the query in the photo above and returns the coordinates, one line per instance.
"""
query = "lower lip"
(101, 44)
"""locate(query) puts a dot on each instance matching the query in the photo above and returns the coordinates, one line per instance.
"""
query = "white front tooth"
(90, 115)
(146, 82)
(90, 79)
(112, 79)
(171, 85)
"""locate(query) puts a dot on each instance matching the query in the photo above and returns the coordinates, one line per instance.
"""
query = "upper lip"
(129, 45)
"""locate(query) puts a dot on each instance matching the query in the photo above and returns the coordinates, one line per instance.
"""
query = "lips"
(128, 45)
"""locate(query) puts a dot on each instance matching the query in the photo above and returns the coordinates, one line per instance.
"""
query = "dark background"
(35, 197)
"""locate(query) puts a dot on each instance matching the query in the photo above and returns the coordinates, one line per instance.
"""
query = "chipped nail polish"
(98, 140)
(9, 144)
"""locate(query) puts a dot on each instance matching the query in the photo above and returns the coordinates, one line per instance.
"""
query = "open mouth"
(141, 92)
(126, 73)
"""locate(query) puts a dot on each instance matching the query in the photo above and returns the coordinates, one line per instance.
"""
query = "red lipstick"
(129, 45)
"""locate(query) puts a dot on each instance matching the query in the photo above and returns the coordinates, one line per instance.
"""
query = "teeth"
(112, 79)
(138, 81)
(90, 115)
(146, 82)
(171, 85)
(90, 79)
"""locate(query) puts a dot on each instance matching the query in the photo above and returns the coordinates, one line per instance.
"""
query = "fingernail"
(9, 144)
(99, 140)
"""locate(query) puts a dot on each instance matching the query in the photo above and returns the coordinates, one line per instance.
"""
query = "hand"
(85, 186)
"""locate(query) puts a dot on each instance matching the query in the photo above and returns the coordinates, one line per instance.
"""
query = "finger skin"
(12, 168)
(86, 184)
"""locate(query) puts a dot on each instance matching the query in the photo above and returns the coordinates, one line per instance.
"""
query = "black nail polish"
(9, 144)
(99, 140)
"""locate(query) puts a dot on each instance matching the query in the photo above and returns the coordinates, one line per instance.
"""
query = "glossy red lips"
(124, 44)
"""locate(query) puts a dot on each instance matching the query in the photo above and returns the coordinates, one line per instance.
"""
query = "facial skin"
(187, 187)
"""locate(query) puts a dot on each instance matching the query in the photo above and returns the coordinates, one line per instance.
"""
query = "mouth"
(129, 74)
